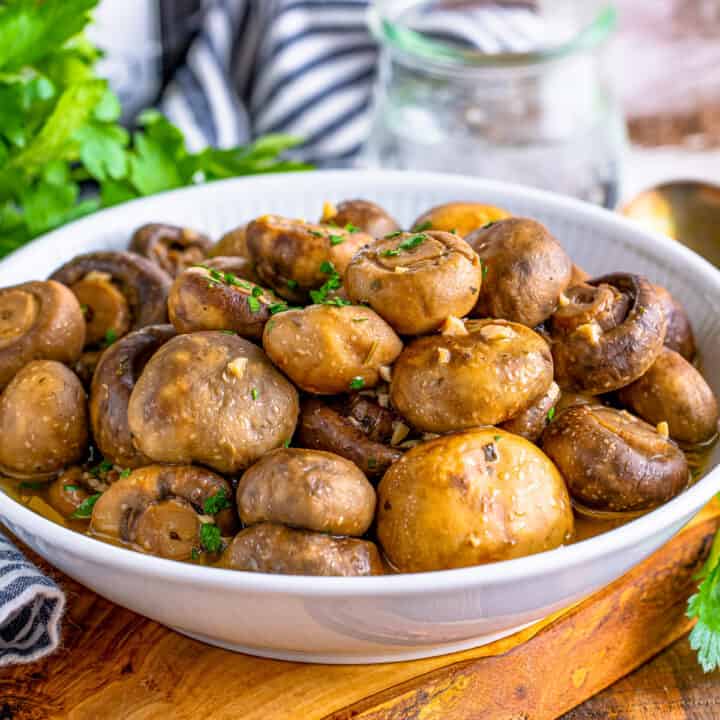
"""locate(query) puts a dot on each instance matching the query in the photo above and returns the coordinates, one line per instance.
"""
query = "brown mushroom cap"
(240, 267)
(209, 299)
(460, 218)
(170, 247)
(608, 334)
(307, 489)
(612, 461)
(416, 280)
(43, 421)
(282, 550)
(229, 405)
(679, 335)
(143, 284)
(363, 214)
(68, 492)
(291, 256)
(38, 321)
(232, 243)
(470, 498)
(156, 509)
(531, 422)
(105, 308)
(486, 376)
(525, 269)
(325, 428)
(673, 391)
(325, 349)
(115, 377)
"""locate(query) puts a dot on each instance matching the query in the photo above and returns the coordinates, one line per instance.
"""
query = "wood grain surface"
(116, 664)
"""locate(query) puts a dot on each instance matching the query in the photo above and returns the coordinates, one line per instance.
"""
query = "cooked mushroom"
(415, 281)
(232, 243)
(328, 349)
(277, 549)
(240, 267)
(307, 489)
(86, 365)
(679, 335)
(115, 377)
(525, 270)
(68, 493)
(294, 257)
(612, 461)
(323, 427)
(488, 374)
(470, 498)
(531, 422)
(43, 421)
(170, 247)
(203, 298)
(38, 321)
(673, 391)
(161, 509)
(608, 334)
(121, 291)
(229, 405)
(362, 214)
(460, 218)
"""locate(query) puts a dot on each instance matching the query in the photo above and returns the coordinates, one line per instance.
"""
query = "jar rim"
(413, 44)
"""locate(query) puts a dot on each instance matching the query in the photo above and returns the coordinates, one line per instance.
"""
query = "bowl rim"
(632, 533)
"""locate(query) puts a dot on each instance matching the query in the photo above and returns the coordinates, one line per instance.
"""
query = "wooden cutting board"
(116, 664)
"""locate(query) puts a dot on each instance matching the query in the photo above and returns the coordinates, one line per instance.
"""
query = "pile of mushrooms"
(347, 397)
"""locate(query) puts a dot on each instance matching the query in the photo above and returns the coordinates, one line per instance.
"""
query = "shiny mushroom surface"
(170, 247)
(460, 218)
(362, 214)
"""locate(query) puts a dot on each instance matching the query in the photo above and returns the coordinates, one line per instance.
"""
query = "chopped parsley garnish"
(705, 606)
(496, 438)
(29, 485)
(253, 304)
(104, 467)
(372, 463)
(110, 337)
(195, 554)
(257, 291)
(125, 473)
(315, 233)
(327, 267)
(278, 307)
(228, 332)
(337, 301)
(351, 228)
(320, 296)
(488, 224)
(86, 506)
(210, 537)
(254, 393)
(484, 269)
(359, 319)
(336, 240)
(71, 488)
(409, 244)
(551, 414)
(292, 284)
(393, 234)
(423, 226)
(390, 253)
(357, 383)
(287, 443)
(217, 502)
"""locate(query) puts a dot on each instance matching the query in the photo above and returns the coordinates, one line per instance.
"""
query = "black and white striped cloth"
(31, 609)
(307, 67)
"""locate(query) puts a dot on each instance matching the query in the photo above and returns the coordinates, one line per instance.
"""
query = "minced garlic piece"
(563, 300)
(591, 331)
(497, 332)
(329, 211)
(400, 432)
(386, 373)
(401, 269)
(443, 355)
(453, 326)
(663, 429)
(237, 367)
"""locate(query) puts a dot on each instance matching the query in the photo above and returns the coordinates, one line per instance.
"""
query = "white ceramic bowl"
(376, 619)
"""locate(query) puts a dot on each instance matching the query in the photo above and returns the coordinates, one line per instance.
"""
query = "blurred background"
(584, 98)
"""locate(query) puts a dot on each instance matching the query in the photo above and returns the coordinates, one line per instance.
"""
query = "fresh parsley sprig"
(705, 606)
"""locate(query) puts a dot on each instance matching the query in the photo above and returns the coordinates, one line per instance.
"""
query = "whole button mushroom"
(673, 391)
(362, 214)
(228, 404)
(531, 422)
(232, 244)
(161, 510)
(120, 291)
(43, 421)
(525, 270)
(307, 489)
(170, 247)
(117, 372)
(679, 335)
(487, 373)
(609, 332)
(270, 548)
(38, 321)
(328, 349)
(416, 281)
(460, 218)
(203, 298)
(612, 461)
(294, 257)
(470, 498)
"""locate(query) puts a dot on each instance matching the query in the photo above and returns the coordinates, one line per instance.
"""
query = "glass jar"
(508, 90)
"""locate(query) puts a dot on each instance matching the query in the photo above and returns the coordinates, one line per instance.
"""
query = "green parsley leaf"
(71, 488)
(551, 414)
(351, 228)
(359, 319)
(194, 554)
(423, 226)
(413, 242)
(316, 233)
(391, 235)
(327, 267)
(210, 537)
(336, 240)
(217, 502)
(152, 167)
(228, 332)
(105, 466)
(257, 291)
(102, 150)
(496, 438)
(110, 337)
(253, 304)
(292, 284)
(278, 307)
(126, 473)
(705, 606)
(287, 443)
(484, 269)
(390, 253)
(254, 393)
(488, 224)
(357, 383)
(86, 506)
(30, 485)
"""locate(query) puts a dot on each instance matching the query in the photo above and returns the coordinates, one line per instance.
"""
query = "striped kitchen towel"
(31, 608)
(302, 67)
